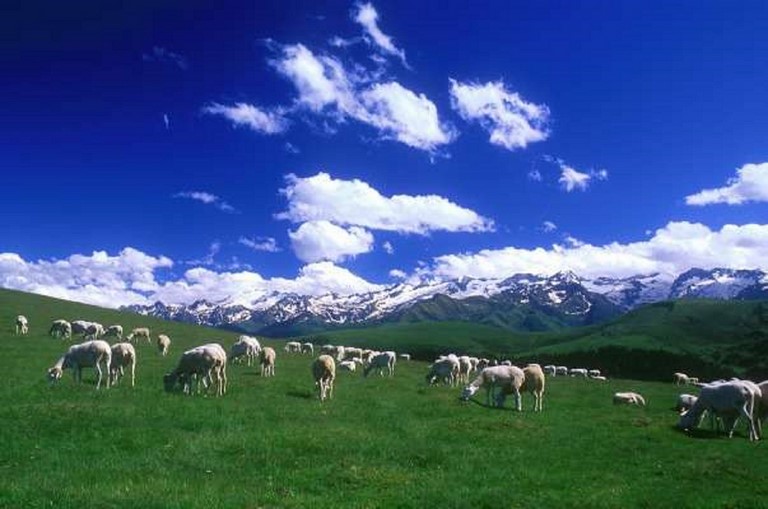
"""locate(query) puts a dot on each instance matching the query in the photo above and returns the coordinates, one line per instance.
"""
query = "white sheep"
(22, 325)
(593, 373)
(308, 348)
(139, 332)
(550, 369)
(508, 378)
(349, 365)
(405, 356)
(685, 402)
(90, 354)
(202, 363)
(580, 372)
(123, 356)
(267, 359)
(324, 371)
(293, 347)
(163, 344)
(628, 398)
(727, 399)
(534, 383)
(94, 331)
(114, 331)
(61, 329)
(383, 361)
(247, 347)
(680, 379)
(445, 369)
(465, 369)
(562, 370)
(80, 326)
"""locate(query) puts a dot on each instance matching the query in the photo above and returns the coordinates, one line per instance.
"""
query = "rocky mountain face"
(520, 302)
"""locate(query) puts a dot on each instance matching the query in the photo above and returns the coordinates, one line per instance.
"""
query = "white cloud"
(548, 226)
(326, 87)
(267, 244)
(367, 17)
(206, 198)
(512, 122)
(252, 117)
(671, 250)
(320, 240)
(354, 202)
(388, 247)
(749, 185)
(571, 178)
(397, 274)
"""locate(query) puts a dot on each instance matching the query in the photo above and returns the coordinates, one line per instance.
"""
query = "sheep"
(114, 331)
(761, 412)
(580, 372)
(293, 347)
(510, 378)
(201, 363)
(685, 402)
(465, 369)
(247, 347)
(405, 356)
(382, 361)
(482, 364)
(267, 359)
(80, 326)
(139, 332)
(84, 355)
(562, 371)
(61, 329)
(628, 398)
(729, 398)
(163, 344)
(534, 383)
(123, 356)
(600, 378)
(308, 348)
(550, 369)
(593, 373)
(94, 331)
(337, 352)
(324, 371)
(445, 369)
(348, 365)
(351, 352)
(22, 325)
(680, 379)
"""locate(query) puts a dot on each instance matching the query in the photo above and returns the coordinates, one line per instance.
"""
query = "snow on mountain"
(714, 284)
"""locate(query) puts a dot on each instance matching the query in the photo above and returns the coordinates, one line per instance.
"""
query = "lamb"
(123, 356)
(267, 360)
(61, 329)
(114, 331)
(201, 363)
(382, 361)
(324, 371)
(139, 332)
(628, 398)
(685, 402)
(729, 398)
(348, 365)
(293, 347)
(163, 344)
(308, 348)
(84, 355)
(510, 378)
(445, 369)
(247, 347)
(680, 379)
(22, 325)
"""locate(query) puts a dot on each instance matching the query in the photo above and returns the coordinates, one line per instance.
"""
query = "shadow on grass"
(701, 434)
(484, 405)
(298, 394)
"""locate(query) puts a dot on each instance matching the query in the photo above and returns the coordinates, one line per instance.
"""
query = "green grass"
(379, 443)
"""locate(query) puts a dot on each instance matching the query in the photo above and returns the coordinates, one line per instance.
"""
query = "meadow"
(380, 442)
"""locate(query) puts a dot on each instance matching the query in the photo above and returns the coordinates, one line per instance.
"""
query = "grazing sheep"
(90, 354)
(761, 410)
(445, 369)
(580, 372)
(247, 347)
(482, 364)
(593, 373)
(202, 363)
(114, 331)
(465, 369)
(628, 398)
(509, 378)
(139, 332)
(561, 371)
(680, 379)
(351, 352)
(163, 344)
(123, 356)
(600, 378)
(348, 365)
(61, 329)
(80, 326)
(550, 369)
(731, 398)
(685, 402)
(324, 371)
(22, 325)
(267, 359)
(94, 331)
(337, 352)
(308, 348)
(293, 347)
(534, 383)
(405, 356)
(382, 361)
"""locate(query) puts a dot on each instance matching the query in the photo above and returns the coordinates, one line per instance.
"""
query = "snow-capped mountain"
(520, 300)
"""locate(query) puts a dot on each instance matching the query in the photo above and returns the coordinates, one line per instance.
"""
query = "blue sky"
(184, 151)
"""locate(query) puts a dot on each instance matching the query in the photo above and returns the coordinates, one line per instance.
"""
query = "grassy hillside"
(379, 442)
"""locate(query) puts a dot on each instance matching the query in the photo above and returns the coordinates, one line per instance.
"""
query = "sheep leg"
(518, 403)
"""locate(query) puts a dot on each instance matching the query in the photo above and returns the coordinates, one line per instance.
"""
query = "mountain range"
(523, 302)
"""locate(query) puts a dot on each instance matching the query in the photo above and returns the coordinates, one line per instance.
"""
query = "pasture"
(380, 442)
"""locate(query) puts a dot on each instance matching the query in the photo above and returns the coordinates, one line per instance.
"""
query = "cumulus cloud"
(160, 54)
(326, 87)
(749, 185)
(267, 244)
(671, 250)
(367, 16)
(512, 122)
(321, 240)
(572, 179)
(252, 117)
(388, 247)
(206, 198)
(354, 202)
